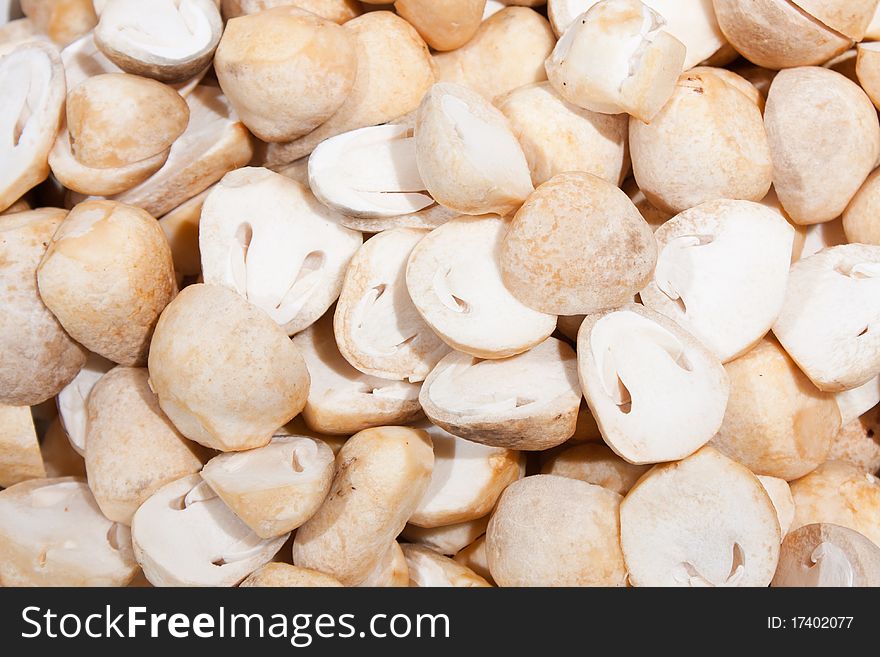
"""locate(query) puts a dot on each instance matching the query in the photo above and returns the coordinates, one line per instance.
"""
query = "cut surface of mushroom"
(827, 555)
(529, 401)
(656, 392)
(855, 402)
(780, 494)
(454, 279)
(266, 237)
(377, 327)
(446, 539)
(184, 535)
(722, 273)
(276, 488)
(53, 534)
(429, 569)
(20, 457)
(704, 521)
(73, 398)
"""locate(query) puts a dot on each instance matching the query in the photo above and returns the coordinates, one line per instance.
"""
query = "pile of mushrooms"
(333, 293)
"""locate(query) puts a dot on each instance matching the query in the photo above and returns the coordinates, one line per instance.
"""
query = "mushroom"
(454, 279)
(106, 276)
(653, 215)
(446, 539)
(59, 457)
(391, 571)
(839, 493)
(32, 77)
(468, 158)
(868, 70)
(777, 423)
(184, 535)
(73, 400)
(860, 219)
(429, 569)
(17, 31)
(20, 457)
(538, 520)
(286, 576)
(168, 40)
(39, 357)
(827, 555)
(704, 521)
(828, 323)
(276, 488)
(378, 329)
(577, 245)
(444, 25)
(858, 442)
(53, 534)
(780, 494)
(617, 57)
(62, 20)
(343, 400)
(229, 387)
(266, 237)
(132, 449)
(708, 142)
(529, 401)
(475, 558)
(855, 402)
(557, 136)
(381, 474)
(433, 216)
(338, 11)
(466, 481)
(595, 464)
(849, 17)
(656, 393)
(815, 177)
(722, 273)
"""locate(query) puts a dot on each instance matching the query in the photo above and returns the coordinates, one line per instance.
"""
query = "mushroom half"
(826, 555)
(73, 400)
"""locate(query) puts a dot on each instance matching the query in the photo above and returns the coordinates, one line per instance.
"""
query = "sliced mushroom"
(184, 535)
(855, 402)
(276, 488)
(722, 273)
(53, 534)
(20, 457)
(704, 521)
(381, 474)
(431, 217)
(577, 245)
(59, 457)
(475, 558)
(169, 40)
(62, 20)
(780, 494)
(839, 493)
(378, 329)
(467, 480)
(858, 442)
(829, 321)
(529, 401)
(428, 569)
(132, 449)
(266, 237)
(73, 400)
(391, 571)
(286, 576)
(338, 11)
(454, 279)
(39, 357)
(17, 31)
(538, 520)
(446, 539)
(595, 464)
(32, 77)
(827, 555)
(656, 392)
(343, 400)
(467, 156)
(617, 57)
(370, 173)
(229, 387)
(107, 276)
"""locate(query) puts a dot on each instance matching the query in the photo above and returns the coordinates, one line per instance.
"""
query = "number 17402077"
(810, 622)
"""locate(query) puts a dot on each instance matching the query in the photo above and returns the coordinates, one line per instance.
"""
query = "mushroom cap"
(708, 142)
(391, 571)
(780, 494)
(287, 576)
(537, 521)
(381, 474)
(276, 488)
(815, 177)
(454, 279)
(576, 246)
(777, 423)
(288, 259)
(343, 400)
(529, 401)
(184, 535)
(858, 442)
(722, 272)
(826, 555)
(39, 357)
(474, 557)
(849, 17)
(827, 323)
(231, 387)
(595, 464)
(53, 534)
(338, 11)
(20, 457)
(73, 400)
(838, 493)
(466, 481)
(446, 539)
(444, 25)
(429, 569)
(860, 219)
(132, 449)
(656, 393)
(704, 521)
(169, 40)
(62, 20)
(868, 70)
(468, 158)
(107, 275)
